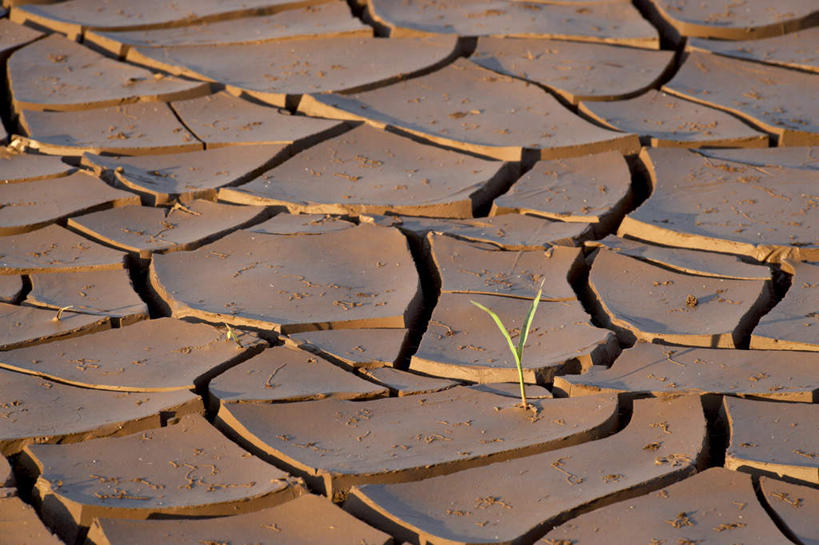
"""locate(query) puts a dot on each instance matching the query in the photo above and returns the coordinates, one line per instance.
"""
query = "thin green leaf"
(524, 331)
(503, 330)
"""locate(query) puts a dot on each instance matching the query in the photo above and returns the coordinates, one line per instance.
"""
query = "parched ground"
(241, 243)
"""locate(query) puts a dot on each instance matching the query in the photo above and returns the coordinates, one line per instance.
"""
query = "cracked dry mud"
(240, 243)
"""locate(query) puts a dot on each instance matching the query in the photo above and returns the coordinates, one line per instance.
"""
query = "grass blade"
(524, 330)
(503, 330)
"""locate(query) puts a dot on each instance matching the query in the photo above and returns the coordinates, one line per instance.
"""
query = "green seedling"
(232, 336)
(59, 315)
(517, 351)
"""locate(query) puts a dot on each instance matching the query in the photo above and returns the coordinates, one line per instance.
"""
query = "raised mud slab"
(775, 99)
(504, 116)
(325, 62)
(31, 205)
(663, 120)
(796, 507)
(29, 325)
(408, 438)
(148, 356)
(224, 120)
(133, 129)
(324, 19)
(791, 50)
(463, 342)
(605, 22)
(480, 269)
(727, 21)
(354, 347)
(76, 16)
(778, 439)
(19, 167)
(685, 309)
(696, 202)
(507, 231)
(575, 71)
(37, 411)
(518, 500)
(145, 230)
(686, 261)
(672, 370)
(163, 179)
(368, 171)
(55, 249)
(107, 293)
(306, 520)
(58, 74)
(681, 513)
(324, 281)
(186, 469)
(792, 324)
(591, 189)
(283, 374)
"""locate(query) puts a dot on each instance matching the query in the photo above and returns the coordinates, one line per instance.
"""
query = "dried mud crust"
(165, 179)
(186, 469)
(323, 64)
(516, 500)
(726, 20)
(575, 71)
(462, 341)
(726, 206)
(38, 411)
(34, 204)
(680, 513)
(792, 323)
(592, 189)
(222, 119)
(283, 374)
(773, 98)
(325, 19)
(473, 109)
(368, 171)
(306, 520)
(790, 50)
(480, 269)
(240, 242)
(323, 281)
(683, 309)
(149, 356)
(133, 129)
(58, 74)
(672, 370)
(775, 439)
(604, 22)
(663, 120)
(76, 16)
(410, 438)
(107, 293)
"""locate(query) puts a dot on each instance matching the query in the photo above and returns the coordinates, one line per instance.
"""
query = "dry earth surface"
(240, 241)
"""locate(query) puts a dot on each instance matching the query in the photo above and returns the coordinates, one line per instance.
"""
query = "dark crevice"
(775, 518)
(765, 302)
(669, 37)
(431, 288)
(506, 177)
(138, 272)
(426, 141)
(594, 306)
(719, 432)
(27, 287)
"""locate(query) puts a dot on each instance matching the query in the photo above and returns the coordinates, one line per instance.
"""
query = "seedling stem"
(517, 351)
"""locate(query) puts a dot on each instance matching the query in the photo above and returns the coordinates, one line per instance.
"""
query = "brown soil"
(240, 243)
